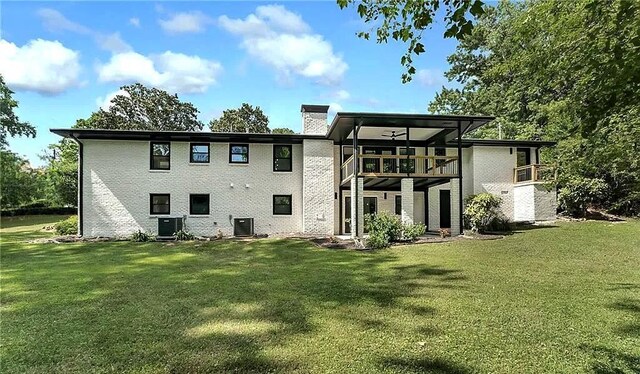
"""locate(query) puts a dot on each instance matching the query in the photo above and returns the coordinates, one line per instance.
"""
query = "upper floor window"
(160, 204)
(160, 155)
(199, 204)
(523, 157)
(239, 153)
(407, 166)
(199, 153)
(282, 205)
(282, 157)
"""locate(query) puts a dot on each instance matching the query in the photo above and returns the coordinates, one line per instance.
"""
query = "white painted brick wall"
(533, 202)
(318, 184)
(357, 207)
(493, 173)
(117, 184)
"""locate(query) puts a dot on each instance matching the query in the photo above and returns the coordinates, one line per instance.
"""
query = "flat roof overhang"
(344, 122)
(191, 136)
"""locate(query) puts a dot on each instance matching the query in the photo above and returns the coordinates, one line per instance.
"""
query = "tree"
(282, 130)
(563, 71)
(19, 183)
(62, 173)
(143, 108)
(405, 20)
(247, 119)
(11, 124)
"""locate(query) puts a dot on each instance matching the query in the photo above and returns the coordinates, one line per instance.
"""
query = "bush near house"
(68, 226)
(580, 193)
(385, 228)
(482, 213)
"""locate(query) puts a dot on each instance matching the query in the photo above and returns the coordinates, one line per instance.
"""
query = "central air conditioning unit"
(243, 227)
(169, 226)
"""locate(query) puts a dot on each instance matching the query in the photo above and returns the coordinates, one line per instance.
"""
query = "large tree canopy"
(247, 118)
(143, 108)
(564, 71)
(405, 20)
(10, 123)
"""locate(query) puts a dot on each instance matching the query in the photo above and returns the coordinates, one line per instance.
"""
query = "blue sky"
(66, 59)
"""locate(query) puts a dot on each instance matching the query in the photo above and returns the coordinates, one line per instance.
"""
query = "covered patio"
(369, 161)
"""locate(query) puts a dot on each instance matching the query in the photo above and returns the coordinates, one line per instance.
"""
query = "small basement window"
(282, 157)
(160, 155)
(399, 205)
(199, 204)
(199, 153)
(160, 204)
(282, 205)
(239, 153)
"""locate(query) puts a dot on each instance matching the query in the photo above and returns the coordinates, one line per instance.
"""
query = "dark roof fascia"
(143, 135)
(474, 121)
(314, 108)
(466, 143)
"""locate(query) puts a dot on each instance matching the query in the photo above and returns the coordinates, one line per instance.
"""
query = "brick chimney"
(314, 119)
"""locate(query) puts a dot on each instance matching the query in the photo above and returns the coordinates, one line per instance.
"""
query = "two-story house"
(322, 181)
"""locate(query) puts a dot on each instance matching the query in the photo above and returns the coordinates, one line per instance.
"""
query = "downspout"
(460, 208)
(80, 183)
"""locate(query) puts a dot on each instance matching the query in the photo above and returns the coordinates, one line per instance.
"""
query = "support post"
(355, 196)
(406, 187)
(407, 151)
(460, 207)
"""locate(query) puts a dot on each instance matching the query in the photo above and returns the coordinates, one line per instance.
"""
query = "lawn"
(551, 299)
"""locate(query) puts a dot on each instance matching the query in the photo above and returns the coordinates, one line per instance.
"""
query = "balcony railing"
(533, 173)
(390, 166)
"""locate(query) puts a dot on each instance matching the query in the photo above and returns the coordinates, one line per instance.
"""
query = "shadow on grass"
(190, 307)
(425, 365)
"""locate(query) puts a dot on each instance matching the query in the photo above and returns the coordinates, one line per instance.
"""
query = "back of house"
(322, 182)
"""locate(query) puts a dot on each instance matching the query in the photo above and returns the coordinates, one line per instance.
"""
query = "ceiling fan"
(393, 134)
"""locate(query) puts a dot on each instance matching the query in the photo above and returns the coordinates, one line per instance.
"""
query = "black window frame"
(208, 212)
(231, 145)
(290, 158)
(273, 208)
(151, 156)
(398, 204)
(152, 205)
(191, 153)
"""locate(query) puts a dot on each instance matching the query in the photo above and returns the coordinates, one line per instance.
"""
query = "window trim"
(191, 160)
(191, 213)
(273, 205)
(231, 145)
(151, 196)
(151, 144)
(290, 157)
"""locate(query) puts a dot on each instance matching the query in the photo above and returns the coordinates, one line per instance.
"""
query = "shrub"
(26, 211)
(480, 210)
(184, 235)
(377, 240)
(385, 223)
(580, 193)
(412, 231)
(140, 237)
(40, 203)
(68, 226)
(500, 224)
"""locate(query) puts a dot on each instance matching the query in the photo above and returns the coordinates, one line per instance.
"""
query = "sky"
(65, 60)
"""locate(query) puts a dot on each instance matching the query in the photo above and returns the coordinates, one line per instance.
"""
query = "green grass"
(555, 299)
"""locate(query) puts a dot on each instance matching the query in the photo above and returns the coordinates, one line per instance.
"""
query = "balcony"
(534, 173)
(400, 166)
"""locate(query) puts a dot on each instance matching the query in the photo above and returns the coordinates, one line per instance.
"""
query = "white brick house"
(417, 166)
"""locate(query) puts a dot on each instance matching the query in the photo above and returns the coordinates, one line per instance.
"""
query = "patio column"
(456, 214)
(357, 207)
(406, 190)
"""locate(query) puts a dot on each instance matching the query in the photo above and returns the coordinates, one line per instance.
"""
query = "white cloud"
(335, 108)
(43, 66)
(56, 22)
(105, 102)
(342, 95)
(282, 40)
(134, 21)
(430, 77)
(185, 22)
(174, 72)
